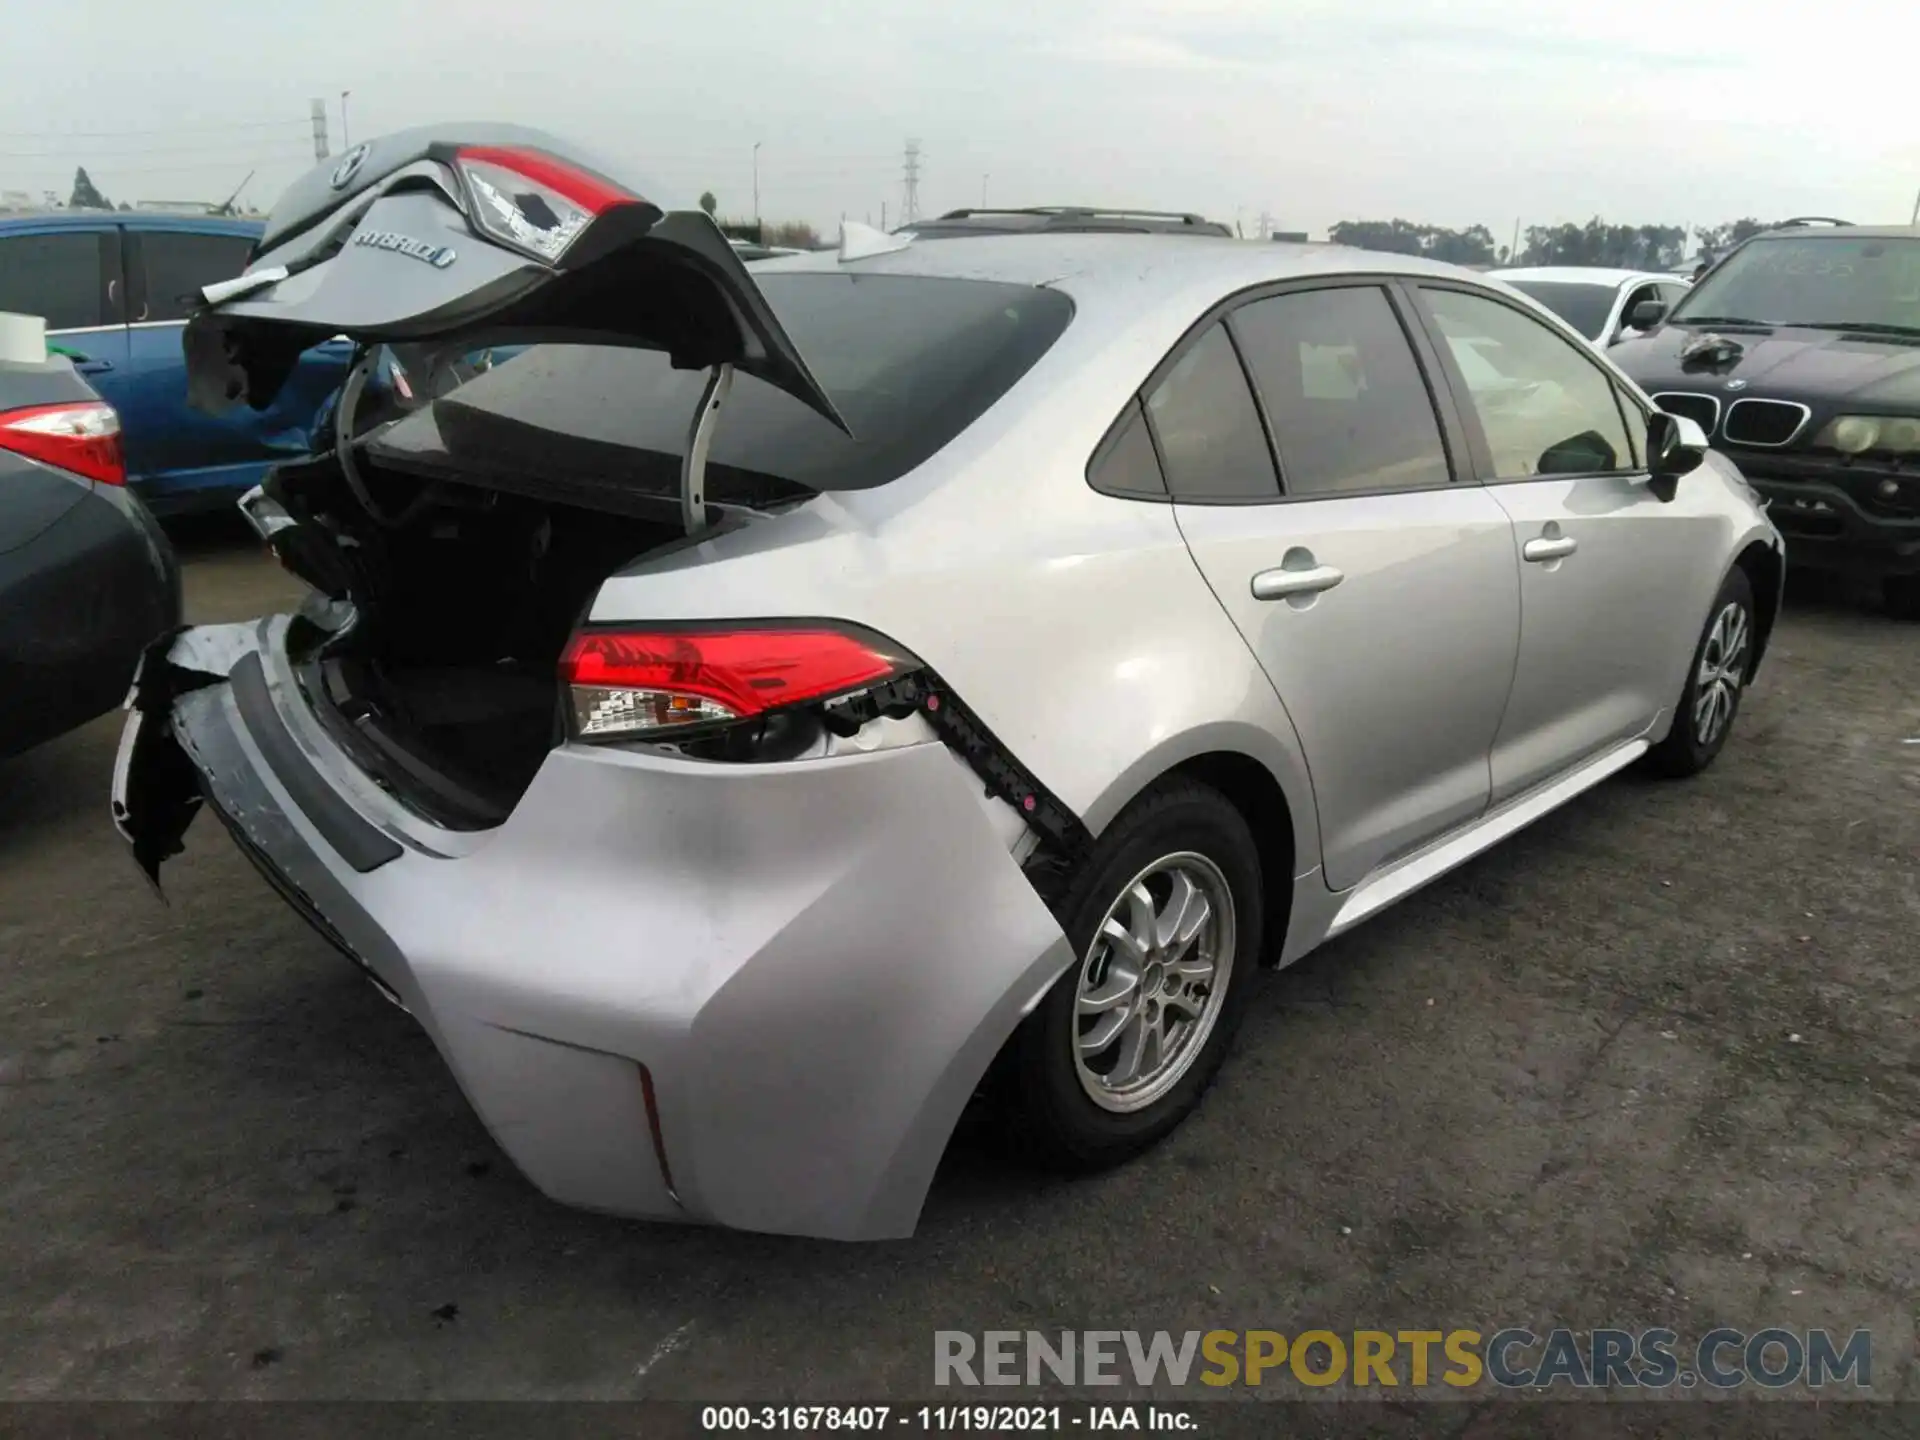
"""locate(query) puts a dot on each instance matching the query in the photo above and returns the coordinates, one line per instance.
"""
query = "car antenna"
(225, 207)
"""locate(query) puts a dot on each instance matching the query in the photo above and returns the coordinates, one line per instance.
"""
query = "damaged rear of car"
(624, 872)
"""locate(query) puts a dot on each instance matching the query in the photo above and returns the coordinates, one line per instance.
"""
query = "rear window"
(1584, 307)
(910, 361)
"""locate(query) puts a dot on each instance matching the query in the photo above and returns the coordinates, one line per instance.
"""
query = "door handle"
(1541, 550)
(92, 367)
(1279, 584)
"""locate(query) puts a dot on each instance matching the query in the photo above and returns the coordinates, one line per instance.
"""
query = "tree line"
(1627, 247)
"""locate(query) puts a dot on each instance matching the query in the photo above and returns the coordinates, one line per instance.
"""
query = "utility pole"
(1513, 250)
(319, 130)
(346, 139)
(1916, 211)
(1266, 224)
(910, 206)
(756, 182)
(983, 191)
(883, 214)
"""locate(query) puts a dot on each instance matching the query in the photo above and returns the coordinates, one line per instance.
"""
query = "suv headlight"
(1857, 434)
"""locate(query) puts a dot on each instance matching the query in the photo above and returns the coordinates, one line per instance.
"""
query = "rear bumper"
(813, 962)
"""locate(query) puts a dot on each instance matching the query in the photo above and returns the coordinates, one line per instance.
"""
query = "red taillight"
(83, 437)
(641, 684)
(531, 201)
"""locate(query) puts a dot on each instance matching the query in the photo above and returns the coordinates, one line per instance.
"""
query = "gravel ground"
(1653, 1062)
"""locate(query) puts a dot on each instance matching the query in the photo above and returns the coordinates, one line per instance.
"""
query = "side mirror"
(1675, 445)
(1647, 314)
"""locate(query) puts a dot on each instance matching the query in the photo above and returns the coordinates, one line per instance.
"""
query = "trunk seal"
(357, 841)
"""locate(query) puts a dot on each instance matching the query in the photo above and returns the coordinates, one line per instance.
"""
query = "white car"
(1595, 301)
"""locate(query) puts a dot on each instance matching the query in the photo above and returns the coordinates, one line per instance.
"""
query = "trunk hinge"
(693, 469)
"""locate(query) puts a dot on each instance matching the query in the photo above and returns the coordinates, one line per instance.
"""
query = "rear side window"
(910, 361)
(1211, 440)
(1349, 408)
(1125, 464)
(57, 276)
(176, 263)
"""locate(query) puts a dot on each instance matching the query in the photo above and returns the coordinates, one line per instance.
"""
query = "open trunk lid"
(460, 236)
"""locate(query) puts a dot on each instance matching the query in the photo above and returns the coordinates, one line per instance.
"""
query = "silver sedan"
(773, 710)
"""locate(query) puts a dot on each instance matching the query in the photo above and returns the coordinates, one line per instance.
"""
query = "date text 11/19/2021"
(945, 1419)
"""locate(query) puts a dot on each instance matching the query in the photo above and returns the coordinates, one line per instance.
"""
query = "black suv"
(1799, 355)
(1059, 219)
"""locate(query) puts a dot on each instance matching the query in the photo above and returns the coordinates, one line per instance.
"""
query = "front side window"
(1350, 411)
(1208, 428)
(55, 276)
(1545, 407)
(1827, 281)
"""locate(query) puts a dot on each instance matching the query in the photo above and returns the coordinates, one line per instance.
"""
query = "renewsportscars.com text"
(1613, 1359)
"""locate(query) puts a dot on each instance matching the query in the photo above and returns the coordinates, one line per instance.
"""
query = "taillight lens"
(83, 437)
(653, 684)
(531, 201)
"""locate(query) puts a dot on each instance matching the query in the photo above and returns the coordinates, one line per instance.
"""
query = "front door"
(1378, 594)
(1605, 589)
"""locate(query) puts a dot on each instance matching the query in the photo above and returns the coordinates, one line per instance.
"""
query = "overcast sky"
(1444, 111)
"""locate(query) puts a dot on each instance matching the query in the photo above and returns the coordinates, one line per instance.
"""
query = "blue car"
(113, 288)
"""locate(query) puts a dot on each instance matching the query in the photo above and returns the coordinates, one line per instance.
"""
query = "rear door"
(71, 276)
(1378, 594)
(175, 453)
(1605, 577)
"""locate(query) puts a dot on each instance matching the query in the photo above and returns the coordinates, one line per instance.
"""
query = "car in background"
(87, 580)
(754, 250)
(114, 288)
(1046, 632)
(1799, 353)
(1593, 300)
(1059, 220)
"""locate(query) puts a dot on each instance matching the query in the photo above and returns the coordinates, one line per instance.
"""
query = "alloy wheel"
(1723, 666)
(1152, 982)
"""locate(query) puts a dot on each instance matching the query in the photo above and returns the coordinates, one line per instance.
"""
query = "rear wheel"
(1901, 595)
(1721, 664)
(1165, 919)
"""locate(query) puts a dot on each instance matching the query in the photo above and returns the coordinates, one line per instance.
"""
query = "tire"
(1177, 831)
(1716, 681)
(1901, 595)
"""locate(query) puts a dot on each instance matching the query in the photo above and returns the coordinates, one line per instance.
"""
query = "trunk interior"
(444, 685)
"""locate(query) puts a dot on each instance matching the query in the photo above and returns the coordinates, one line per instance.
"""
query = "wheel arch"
(1252, 790)
(1766, 573)
(1265, 781)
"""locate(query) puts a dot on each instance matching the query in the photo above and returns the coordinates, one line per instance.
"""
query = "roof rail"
(1184, 216)
(1800, 220)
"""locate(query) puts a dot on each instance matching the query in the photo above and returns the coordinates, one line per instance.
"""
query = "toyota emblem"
(349, 167)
